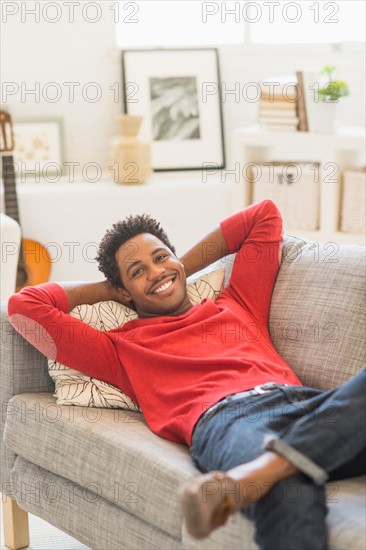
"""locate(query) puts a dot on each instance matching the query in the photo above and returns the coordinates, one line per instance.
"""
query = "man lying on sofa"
(200, 373)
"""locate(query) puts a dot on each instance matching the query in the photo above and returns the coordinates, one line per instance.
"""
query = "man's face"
(152, 277)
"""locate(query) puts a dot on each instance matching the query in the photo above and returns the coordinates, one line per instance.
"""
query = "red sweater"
(176, 367)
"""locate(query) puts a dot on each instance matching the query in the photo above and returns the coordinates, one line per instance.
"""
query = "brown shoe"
(207, 502)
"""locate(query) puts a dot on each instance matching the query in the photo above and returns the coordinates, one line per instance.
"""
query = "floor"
(45, 537)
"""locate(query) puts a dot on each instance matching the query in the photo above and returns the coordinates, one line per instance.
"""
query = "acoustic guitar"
(34, 263)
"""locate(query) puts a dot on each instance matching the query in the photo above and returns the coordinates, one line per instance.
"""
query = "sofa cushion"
(317, 316)
(110, 452)
(112, 455)
(72, 387)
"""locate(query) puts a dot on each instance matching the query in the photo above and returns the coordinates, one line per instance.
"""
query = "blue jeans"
(323, 433)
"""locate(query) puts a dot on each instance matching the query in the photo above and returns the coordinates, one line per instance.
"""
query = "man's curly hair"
(121, 232)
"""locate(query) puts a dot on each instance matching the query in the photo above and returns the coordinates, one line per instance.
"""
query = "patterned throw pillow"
(75, 388)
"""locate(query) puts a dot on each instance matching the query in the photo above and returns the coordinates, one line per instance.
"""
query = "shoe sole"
(192, 512)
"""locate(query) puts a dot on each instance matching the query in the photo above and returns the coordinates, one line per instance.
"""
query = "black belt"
(258, 390)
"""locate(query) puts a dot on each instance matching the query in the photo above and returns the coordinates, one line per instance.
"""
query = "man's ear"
(124, 297)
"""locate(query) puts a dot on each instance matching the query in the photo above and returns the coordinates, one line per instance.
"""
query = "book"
(311, 81)
(279, 121)
(288, 98)
(278, 104)
(282, 113)
(280, 88)
(301, 103)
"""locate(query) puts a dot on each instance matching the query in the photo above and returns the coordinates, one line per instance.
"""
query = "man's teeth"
(163, 287)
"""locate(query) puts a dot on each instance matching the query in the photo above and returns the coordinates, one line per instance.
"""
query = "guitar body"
(34, 264)
(37, 264)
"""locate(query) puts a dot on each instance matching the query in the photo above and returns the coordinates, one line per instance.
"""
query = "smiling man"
(153, 278)
(200, 387)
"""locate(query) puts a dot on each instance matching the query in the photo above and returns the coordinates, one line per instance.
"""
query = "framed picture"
(178, 94)
(38, 146)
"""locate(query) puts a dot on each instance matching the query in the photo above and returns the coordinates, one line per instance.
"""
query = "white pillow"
(74, 388)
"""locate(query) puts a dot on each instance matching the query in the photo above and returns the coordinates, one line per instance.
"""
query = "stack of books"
(278, 107)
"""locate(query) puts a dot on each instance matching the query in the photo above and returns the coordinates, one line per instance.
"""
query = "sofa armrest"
(22, 370)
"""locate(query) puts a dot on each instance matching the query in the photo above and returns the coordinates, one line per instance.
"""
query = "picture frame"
(178, 94)
(38, 147)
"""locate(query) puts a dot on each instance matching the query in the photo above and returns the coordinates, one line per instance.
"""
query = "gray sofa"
(103, 477)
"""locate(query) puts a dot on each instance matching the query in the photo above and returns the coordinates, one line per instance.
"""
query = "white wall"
(37, 53)
(82, 52)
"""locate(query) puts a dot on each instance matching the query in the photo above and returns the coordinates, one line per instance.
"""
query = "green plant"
(334, 89)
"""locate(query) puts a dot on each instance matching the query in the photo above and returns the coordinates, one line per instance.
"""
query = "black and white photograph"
(177, 91)
(175, 113)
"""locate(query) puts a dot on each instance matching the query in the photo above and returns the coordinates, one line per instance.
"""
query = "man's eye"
(161, 256)
(136, 272)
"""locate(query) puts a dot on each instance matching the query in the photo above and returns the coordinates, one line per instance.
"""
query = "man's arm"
(256, 235)
(91, 293)
(211, 248)
(239, 228)
(41, 315)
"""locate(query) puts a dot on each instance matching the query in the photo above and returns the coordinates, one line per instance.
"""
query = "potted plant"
(328, 100)
(334, 89)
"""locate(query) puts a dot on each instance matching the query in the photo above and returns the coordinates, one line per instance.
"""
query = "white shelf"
(335, 153)
(346, 138)
(70, 218)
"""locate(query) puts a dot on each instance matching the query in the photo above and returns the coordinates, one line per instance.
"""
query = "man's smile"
(163, 286)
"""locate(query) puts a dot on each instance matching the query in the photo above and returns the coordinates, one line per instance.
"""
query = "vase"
(326, 114)
(129, 156)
